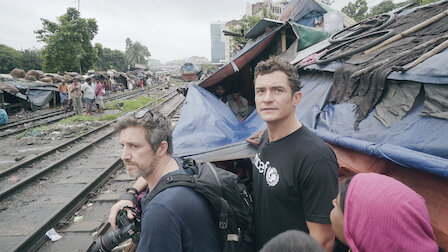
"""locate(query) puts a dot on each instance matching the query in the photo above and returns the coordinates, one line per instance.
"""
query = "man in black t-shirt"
(295, 173)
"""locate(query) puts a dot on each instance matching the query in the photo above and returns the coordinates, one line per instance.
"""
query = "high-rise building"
(257, 9)
(217, 42)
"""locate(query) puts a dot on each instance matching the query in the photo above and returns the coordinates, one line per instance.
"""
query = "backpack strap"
(170, 181)
(224, 214)
(225, 208)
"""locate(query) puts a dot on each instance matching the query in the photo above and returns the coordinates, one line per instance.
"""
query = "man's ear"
(162, 149)
(297, 97)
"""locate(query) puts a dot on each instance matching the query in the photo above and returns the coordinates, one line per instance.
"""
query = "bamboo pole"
(283, 40)
(424, 57)
(408, 31)
(397, 56)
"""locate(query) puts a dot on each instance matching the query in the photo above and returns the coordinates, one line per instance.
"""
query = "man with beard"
(176, 219)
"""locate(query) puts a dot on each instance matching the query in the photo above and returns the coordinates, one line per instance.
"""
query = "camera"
(126, 229)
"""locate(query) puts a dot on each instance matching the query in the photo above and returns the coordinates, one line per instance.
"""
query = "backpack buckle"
(232, 237)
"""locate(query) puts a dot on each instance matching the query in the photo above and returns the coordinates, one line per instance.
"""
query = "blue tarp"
(418, 142)
(206, 123)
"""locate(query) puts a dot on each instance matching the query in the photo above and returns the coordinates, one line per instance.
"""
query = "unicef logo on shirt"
(272, 176)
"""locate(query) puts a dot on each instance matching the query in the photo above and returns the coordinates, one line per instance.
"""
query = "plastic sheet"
(40, 98)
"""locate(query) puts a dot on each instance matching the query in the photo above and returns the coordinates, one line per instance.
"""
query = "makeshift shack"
(23, 94)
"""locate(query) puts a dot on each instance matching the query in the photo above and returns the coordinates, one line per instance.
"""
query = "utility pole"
(80, 70)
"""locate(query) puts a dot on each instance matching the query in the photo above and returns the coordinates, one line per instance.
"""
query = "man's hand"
(255, 139)
(116, 208)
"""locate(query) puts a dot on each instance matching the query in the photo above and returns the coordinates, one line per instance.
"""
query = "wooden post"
(2, 100)
(28, 100)
(54, 99)
(283, 40)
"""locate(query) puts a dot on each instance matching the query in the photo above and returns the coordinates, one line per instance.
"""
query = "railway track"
(32, 121)
(51, 187)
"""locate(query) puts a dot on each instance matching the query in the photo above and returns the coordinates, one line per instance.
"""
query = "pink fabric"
(382, 214)
(99, 89)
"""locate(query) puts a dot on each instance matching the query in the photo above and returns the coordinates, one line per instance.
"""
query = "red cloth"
(383, 214)
(99, 89)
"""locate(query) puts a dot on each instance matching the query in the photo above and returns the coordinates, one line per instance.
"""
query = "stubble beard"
(139, 173)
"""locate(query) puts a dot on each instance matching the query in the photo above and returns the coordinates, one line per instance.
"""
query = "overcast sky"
(171, 29)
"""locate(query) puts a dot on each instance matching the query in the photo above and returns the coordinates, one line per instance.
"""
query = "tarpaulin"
(39, 98)
(206, 124)
(303, 12)
(39, 93)
(308, 36)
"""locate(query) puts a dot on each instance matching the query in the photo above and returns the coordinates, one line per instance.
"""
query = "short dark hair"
(343, 192)
(276, 64)
(158, 128)
(236, 91)
(292, 240)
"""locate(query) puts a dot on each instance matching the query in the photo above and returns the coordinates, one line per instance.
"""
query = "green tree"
(246, 23)
(26, 60)
(9, 59)
(136, 53)
(207, 67)
(110, 59)
(68, 42)
(31, 59)
(357, 10)
(383, 7)
(423, 2)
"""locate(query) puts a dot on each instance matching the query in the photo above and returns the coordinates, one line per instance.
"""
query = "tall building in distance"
(275, 8)
(218, 49)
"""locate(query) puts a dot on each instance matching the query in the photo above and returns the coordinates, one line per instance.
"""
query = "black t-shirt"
(295, 179)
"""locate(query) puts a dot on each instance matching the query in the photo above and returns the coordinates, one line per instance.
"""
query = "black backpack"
(226, 193)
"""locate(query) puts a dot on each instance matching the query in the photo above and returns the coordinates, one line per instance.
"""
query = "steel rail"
(4, 193)
(30, 119)
(35, 125)
(35, 239)
(176, 107)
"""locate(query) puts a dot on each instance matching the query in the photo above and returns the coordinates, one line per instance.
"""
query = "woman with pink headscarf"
(374, 212)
